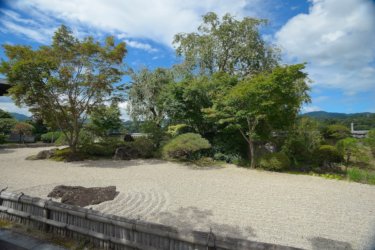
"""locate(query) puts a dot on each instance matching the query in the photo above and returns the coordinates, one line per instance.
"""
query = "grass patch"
(361, 176)
(5, 224)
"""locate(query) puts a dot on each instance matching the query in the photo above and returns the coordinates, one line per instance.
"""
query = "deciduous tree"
(66, 81)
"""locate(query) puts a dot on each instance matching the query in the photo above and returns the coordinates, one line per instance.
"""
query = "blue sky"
(336, 38)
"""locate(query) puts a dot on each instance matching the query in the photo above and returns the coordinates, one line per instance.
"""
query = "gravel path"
(295, 210)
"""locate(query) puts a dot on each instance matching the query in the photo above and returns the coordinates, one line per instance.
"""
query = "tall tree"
(65, 81)
(271, 99)
(144, 96)
(104, 120)
(227, 45)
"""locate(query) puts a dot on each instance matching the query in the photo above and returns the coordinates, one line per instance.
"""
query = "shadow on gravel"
(6, 151)
(319, 243)
(115, 164)
(188, 218)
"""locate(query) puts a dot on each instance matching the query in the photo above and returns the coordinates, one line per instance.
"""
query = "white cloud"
(310, 108)
(139, 45)
(157, 20)
(337, 39)
(8, 105)
(124, 115)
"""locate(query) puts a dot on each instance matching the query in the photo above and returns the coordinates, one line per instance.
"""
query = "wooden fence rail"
(110, 231)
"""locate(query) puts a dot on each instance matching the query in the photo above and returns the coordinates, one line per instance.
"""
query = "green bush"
(274, 161)
(327, 155)
(363, 176)
(2, 138)
(50, 137)
(139, 148)
(144, 146)
(184, 146)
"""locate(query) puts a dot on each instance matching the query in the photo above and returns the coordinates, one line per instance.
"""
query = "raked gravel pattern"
(294, 210)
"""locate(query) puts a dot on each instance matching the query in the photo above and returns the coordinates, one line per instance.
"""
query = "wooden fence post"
(47, 215)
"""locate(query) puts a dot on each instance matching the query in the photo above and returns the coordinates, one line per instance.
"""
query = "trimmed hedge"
(327, 155)
(184, 146)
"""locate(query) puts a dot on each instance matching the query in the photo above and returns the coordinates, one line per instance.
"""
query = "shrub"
(2, 138)
(50, 137)
(363, 176)
(144, 146)
(274, 161)
(184, 146)
(327, 155)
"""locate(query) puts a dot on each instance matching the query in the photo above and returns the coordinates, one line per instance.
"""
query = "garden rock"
(44, 154)
(81, 196)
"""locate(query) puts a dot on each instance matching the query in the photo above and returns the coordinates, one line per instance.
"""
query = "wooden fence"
(110, 231)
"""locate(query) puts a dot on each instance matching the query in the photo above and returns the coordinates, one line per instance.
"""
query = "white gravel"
(294, 210)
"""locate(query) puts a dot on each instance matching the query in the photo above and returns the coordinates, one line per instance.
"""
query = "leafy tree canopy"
(66, 81)
(227, 45)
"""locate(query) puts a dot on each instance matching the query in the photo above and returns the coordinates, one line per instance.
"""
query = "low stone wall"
(110, 231)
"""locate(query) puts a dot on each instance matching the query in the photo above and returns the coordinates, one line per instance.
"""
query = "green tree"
(350, 147)
(271, 99)
(4, 114)
(66, 81)
(22, 129)
(370, 140)
(303, 139)
(226, 45)
(144, 96)
(6, 125)
(336, 132)
(186, 101)
(105, 119)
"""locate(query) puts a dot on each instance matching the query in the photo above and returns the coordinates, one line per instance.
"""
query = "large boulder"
(81, 196)
(44, 154)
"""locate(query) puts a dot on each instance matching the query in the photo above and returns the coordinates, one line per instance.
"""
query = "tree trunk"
(251, 153)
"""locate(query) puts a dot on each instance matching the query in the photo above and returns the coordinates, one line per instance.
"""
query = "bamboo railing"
(110, 231)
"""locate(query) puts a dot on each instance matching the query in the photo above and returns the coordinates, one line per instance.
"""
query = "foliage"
(6, 125)
(274, 161)
(359, 175)
(144, 146)
(336, 132)
(186, 101)
(104, 120)
(154, 132)
(67, 154)
(272, 100)
(178, 129)
(302, 140)
(370, 140)
(350, 147)
(5, 115)
(51, 137)
(144, 96)
(22, 129)
(226, 45)
(362, 121)
(327, 155)
(2, 138)
(183, 146)
(66, 81)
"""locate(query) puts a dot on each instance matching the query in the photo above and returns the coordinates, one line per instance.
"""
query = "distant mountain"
(20, 117)
(362, 121)
(323, 115)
